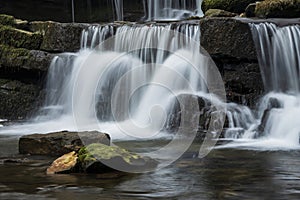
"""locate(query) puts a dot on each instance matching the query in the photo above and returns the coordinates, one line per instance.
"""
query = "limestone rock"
(57, 144)
(63, 164)
(100, 158)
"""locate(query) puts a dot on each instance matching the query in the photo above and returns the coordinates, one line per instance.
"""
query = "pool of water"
(223, 174)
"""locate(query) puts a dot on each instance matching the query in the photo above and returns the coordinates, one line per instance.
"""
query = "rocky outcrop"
(219, 13)
(278, 9)
(236, 6)
(57, 144)
(59, 37)
(17, 99)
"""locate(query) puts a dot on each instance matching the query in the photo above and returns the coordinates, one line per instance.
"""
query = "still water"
(223, 174)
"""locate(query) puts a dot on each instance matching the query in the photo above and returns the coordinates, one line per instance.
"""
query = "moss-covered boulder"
(236, 6)
(18, 59)
(59, 37)
(278, 9)
(19, 38)
(99, 158)
(219, 13)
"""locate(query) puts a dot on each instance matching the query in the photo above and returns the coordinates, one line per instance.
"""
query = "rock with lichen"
(64, 164)
(100, 158)
(278, 9)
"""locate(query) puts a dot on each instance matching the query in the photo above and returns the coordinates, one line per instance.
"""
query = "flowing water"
(168, 10)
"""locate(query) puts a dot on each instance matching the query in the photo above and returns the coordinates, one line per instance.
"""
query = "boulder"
(218, 13)
(100, 158)
(227, 37)
(19, 38)
(57, 144)
(278, 9)
(16, 59)
(236, 6)
(17, 99)
(59, 37)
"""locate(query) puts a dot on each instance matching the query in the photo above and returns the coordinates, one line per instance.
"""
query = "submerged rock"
(63, 164)
(278, 9)
(100, 158)
(57, 144)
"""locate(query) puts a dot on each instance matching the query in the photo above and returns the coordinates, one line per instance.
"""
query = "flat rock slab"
(60, 143)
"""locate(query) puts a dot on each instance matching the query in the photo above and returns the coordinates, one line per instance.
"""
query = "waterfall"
(168, 10)
(125, 79)
(118, 8)
(276, 121)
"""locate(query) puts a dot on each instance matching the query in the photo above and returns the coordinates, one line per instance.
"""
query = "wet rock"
(16, 59)
(218, 13)
(100, 158)
(250, 10)
(64, 164)
(278, 9)
(236, 6)
(57, 144)
(17, 99)
(19, 38)
(59, 37)
(227, 37)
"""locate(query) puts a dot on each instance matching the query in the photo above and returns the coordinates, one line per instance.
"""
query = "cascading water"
(125, 80)
(118, 7)
(167, 10)
(276, 123)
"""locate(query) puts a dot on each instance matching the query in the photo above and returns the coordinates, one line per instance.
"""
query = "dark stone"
(227, 37)
(17, 99)
(250, 10)
(60, 143)
(236, 6)
(59, 37)
(278, 9)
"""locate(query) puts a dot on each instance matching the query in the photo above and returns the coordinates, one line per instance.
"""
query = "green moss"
(236, 6)
(19, 38)
(10, 56)
(278, 9)
(7, 20)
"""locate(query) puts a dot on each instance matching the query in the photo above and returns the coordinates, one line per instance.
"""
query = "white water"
(118, 8)
(168, 10)
(126, 87)
(279, 59)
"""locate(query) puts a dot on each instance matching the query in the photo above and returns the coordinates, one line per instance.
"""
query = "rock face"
(99, 158)
(57, 144)
(236, 6)
(59, 37)
(278, 9)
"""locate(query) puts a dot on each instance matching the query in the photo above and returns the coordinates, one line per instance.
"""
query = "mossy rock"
(219, 13)
(19, 38)
(100, 158)
(236, 6)
(278, 9)
(7, 20)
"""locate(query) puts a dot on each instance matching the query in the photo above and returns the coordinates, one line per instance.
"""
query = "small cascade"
(115, 78)
(276, 121)
(168, 10)
(118, 8)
